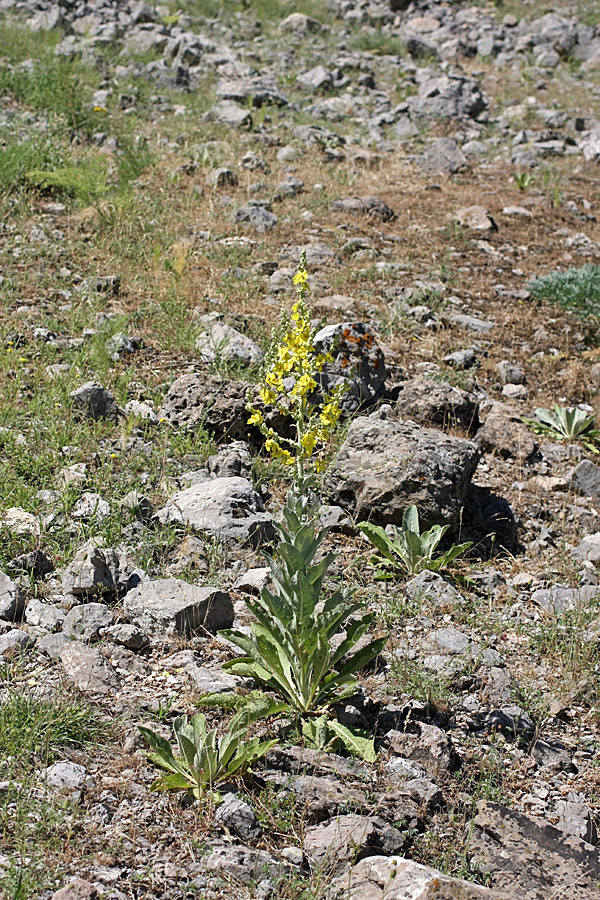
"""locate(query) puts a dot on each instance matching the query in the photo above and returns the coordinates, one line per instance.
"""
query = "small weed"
(379, 43)
(575, 289)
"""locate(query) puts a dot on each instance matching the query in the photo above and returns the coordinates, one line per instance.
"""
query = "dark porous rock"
(36, 563)
(95, 402)
(552, 755)
(425, 744)
(585, 479)
(218, 406)
(238, 817)
(358, 361)
(529, 858)
(383, 467)
(511, 720)
(437, 403)
(301, 760)
(504, 434)
(12, 599)
(172, 606)
(373, 207)
(382, 878)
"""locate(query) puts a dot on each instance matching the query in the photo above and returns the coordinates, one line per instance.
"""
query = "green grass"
(575, 289)
(379, 43)
(34, 827)
(34, 727)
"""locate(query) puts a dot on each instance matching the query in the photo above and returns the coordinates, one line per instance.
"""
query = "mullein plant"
(304, 649)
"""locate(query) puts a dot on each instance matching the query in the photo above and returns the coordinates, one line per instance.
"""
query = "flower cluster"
(289, 384)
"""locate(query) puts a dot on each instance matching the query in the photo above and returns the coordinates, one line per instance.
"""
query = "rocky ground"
(161, 168)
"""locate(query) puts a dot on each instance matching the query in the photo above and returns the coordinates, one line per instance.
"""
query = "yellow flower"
(267, 395)
(301, 279)
(256, 418)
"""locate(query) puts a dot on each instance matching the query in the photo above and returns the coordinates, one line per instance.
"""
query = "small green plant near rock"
(408, 550)
(566, 424)
(204, 760)
(575, 289)
(523, 180)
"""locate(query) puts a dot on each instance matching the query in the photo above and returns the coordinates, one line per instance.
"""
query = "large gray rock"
(66, 778)
(384, 467)
(358, 361)
(231, 114)
(221, 341)
(87, 621)
(442, 156)
(243, 864)
(255, 216)
(529, 858)
(437, 403)
(395, 878)
(12, 599)
(228, 509)
(585, 479)
(88, 669)
(337, 842)
(172, 606)
(260, 91)
(238, 817)
(95, 401)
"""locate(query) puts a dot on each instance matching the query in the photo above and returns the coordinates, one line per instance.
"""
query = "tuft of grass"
(379, 43)
(575, 289)
(39, 727)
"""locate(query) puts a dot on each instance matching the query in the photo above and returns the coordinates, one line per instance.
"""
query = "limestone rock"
(222, 341)
(225, 508)
(442, 156)
(530, 858)
(12, 599)
(395, 878)
(172, 606)
(504, 433)
(88, 669)
(95, 401)
(86, 621)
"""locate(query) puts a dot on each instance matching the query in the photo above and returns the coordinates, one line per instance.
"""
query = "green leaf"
(410, 520)
(356, 741)
(378, 538)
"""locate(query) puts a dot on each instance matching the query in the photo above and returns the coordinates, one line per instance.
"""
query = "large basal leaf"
(410, 520)
(163, 752)
(356, 741)
(378, 538)
(174, 782)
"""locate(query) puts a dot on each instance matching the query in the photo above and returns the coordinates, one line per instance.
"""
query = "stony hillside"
(162, 168)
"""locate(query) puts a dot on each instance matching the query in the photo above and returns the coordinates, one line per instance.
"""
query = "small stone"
(476, 218)
(95, 401)
(129, 636)
(14, 641)
(88, 669)
(12, 599)
(78, 889)
(66, 778)
(238, 816)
